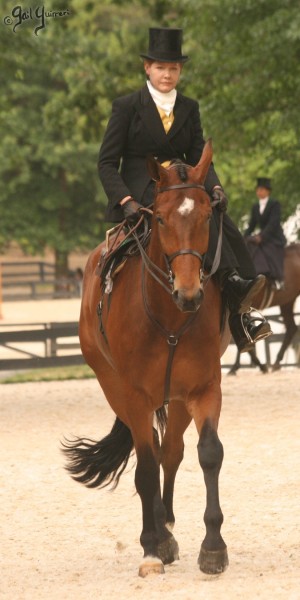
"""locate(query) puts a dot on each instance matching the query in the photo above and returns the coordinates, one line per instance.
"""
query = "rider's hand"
(219, 196)
(131, 211)
(257, 239)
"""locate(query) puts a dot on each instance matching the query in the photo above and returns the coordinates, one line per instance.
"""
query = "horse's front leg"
(213, 556)
(172, 450)
(158, 543)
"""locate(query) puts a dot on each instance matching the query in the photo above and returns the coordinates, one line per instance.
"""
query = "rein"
(172, 338)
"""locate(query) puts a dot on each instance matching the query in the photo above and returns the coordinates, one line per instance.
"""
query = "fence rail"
(40, 345)
(35, 280)
(49, 344)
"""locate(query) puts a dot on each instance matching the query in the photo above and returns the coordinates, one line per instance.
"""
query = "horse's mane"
(181, 168)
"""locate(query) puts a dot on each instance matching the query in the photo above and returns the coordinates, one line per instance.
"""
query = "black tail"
(99, 464)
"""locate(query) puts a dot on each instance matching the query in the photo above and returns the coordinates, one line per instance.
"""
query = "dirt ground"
(62, 541)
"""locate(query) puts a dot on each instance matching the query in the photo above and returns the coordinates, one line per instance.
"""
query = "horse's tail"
(99, 464)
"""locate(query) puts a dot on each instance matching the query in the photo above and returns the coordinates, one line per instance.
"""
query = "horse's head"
(181, 220)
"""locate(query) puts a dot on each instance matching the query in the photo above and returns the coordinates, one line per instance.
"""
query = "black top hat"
(165, 45)
(264, 182)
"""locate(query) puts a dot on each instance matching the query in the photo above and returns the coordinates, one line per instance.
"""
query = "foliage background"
(57, 88)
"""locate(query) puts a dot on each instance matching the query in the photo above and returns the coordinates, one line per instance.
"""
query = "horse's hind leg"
(236, 365)
(172, 449)
(255, 361)
(205, 410)
(158, 543)
(287, 311)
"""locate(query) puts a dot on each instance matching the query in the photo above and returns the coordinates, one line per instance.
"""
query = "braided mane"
(181, 168)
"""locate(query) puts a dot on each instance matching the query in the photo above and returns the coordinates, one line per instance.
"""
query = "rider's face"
(262, 192)
(163, 76)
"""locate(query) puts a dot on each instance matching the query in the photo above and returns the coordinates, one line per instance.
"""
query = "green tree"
(246, 71)
(57, 89)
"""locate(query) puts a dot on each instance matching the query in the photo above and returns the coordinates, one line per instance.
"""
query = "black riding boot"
(240, 292)
(246, 329)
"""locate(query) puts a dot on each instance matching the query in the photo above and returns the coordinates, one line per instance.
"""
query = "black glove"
(219, 195)
(131, 212)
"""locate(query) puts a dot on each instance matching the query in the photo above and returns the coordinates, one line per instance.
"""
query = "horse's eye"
(159, 220)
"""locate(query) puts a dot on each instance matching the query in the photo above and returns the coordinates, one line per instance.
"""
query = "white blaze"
(186, 207)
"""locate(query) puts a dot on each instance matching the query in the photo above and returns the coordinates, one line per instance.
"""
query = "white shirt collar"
(262, 204)
(165, 101)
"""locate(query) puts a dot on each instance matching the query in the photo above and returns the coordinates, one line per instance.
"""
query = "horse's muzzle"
(187, 303)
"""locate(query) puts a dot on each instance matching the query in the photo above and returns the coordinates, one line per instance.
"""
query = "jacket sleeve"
(252, 223)
(194, 154)
(111, 153)
(273, 223)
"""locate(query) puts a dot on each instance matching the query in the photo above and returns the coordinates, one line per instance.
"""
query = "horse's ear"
(201, 169)
(155, 169)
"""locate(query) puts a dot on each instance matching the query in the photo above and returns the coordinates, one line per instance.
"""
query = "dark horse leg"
(287, 312)
(159, 545)
(255, 361)
(205, 410)
(97, 464)
(213, 553)
(235, 367)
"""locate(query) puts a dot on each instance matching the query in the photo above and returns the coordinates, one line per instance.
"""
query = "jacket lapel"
(151, 118)
(181, 112)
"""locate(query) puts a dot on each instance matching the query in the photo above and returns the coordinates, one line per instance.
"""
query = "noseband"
(180, 186)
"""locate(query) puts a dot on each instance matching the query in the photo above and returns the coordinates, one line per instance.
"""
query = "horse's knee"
(210, 449)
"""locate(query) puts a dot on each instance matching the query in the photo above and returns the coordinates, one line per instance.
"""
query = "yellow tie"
(167, 121)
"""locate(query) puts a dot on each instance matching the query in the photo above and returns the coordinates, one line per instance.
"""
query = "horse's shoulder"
(94, 257)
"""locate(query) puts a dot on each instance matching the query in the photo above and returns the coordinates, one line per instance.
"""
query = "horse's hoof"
(231, 372)
(151, 565)
(276, 367)
(213, 562)
(168, 550)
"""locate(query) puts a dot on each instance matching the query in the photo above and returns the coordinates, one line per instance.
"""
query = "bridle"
(170, 258)
(156, 272)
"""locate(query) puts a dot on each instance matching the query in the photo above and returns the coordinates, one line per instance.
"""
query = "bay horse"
(285, 298)
(160, 336)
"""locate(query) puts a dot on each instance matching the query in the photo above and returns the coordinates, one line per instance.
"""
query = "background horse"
(285, 299)
(155, 343)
